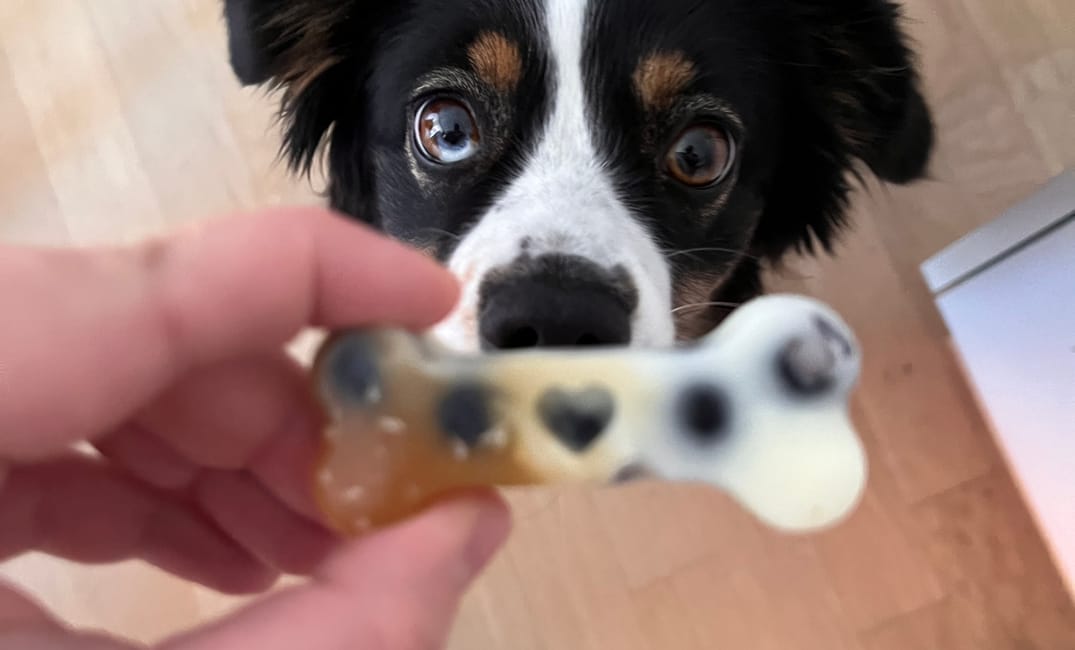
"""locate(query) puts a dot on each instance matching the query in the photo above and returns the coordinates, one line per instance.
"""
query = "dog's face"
(594, 171)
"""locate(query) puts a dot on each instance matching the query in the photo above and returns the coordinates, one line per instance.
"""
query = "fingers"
(261, 525)
(148, 458)
(397, 589)
(221, 416)
(240, 438)
(253, 414)
(76, 508)
(103, 332)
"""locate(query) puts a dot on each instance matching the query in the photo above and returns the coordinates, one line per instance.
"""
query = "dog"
(595, 172)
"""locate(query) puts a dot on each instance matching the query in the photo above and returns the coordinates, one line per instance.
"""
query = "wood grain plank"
(1038, 68)
(1002, 588)
(784, 603)
(72, 102)
(876, 562)
(190, 140)
(962, 621)
(196, 139)
(572, 585)
(654, 530)
(987, 156)
(29, 211)
(665, 620)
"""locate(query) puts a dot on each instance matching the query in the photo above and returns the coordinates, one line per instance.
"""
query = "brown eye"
(701, 156)
(446, 131)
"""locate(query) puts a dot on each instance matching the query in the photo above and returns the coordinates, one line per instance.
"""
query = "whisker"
(444, 233)
(703, 305)
(695, 251)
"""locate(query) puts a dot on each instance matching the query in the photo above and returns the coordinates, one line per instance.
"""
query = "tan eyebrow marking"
(660, 77)
(497, 60)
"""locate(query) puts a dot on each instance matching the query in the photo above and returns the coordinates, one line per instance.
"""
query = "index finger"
(89, 336)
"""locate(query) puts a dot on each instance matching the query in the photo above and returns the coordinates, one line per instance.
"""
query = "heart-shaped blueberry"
(576, 418)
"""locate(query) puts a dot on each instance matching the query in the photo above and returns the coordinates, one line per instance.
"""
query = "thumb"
(398, 589)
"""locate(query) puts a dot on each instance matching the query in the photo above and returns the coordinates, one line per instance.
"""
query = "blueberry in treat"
(576, 418)
(703, 412)
(630, 473)
(464, 413)
(353, 370)
(833, 336)
(808, 364)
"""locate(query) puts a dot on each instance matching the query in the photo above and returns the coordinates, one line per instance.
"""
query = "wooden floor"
(118, 118)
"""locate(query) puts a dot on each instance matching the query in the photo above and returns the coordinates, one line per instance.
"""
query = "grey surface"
(1021, 224)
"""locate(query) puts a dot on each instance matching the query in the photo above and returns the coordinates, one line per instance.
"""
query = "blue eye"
(446, 131)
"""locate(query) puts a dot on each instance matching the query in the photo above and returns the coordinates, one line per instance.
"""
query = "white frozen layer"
(758, 409)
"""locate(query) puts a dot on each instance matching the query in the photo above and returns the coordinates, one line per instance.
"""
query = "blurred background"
(120, 118)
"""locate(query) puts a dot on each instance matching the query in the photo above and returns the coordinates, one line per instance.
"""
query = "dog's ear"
(295, 46)
(318, 53)
(863, 70)
(287, 43)
(855, 98)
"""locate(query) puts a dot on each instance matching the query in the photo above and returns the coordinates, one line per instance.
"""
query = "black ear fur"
(294, 46)
(318, 53)
(855, 99)
(284, 42)
(867, 72)
(248, 44)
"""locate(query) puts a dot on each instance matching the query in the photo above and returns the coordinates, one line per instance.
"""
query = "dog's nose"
(555, 302)
(526, 314)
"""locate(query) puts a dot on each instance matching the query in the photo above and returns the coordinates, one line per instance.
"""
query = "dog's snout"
(532, 314)
(555, 301)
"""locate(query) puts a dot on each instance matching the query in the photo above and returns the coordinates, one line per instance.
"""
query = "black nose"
(555, 301)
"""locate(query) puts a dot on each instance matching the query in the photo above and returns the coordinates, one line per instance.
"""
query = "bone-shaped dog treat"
(759, 409)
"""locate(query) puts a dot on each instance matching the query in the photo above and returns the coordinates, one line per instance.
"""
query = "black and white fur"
(570, 172)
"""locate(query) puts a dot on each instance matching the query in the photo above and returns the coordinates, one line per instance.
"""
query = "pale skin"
(168, 358)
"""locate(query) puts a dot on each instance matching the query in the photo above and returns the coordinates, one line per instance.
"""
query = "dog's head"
(593, 171)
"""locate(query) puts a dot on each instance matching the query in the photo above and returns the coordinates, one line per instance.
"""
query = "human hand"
(168, 357)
